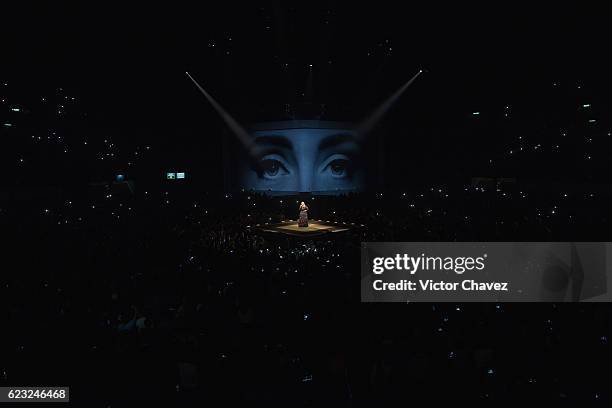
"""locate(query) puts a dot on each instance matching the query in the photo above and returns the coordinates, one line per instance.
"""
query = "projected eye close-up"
(320, 159)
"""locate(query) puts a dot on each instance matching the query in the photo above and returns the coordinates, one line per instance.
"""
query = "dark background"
(126, 63)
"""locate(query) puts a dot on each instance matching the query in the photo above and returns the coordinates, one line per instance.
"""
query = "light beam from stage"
(368, 124)
(242, 135)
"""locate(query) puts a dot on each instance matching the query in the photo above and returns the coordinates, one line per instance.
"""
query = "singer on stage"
(303, 220)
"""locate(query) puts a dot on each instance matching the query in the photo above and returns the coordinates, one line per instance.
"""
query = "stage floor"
(315, 228)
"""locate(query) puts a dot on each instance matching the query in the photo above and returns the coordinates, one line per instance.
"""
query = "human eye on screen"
(337, 166)
(272, 166)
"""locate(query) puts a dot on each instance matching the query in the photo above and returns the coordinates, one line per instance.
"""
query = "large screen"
(302, 156)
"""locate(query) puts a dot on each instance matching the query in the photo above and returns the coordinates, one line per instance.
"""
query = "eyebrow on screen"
(336, 139)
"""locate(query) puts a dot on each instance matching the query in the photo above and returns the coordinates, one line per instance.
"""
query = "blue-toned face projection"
(303, 156)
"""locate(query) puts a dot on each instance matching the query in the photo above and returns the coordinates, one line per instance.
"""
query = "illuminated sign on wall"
(175, 175)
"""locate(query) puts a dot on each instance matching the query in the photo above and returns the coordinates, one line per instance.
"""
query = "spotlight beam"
(242, 135)
(368, 123)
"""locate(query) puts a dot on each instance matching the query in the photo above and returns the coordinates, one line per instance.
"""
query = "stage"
(316, 228)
